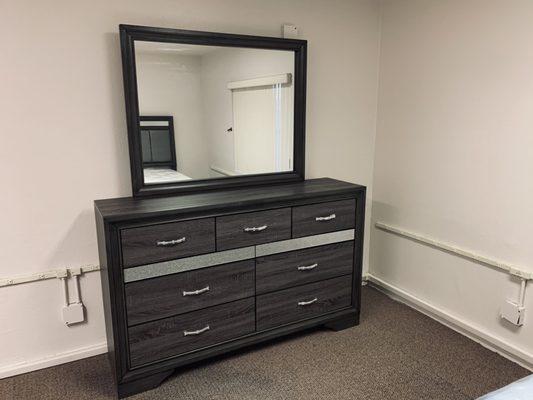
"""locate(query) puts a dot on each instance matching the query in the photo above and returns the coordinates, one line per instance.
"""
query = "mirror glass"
(213, 111)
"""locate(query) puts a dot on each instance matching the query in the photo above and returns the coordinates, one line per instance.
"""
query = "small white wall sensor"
(289, 31)
(73, 314)
(513, 312)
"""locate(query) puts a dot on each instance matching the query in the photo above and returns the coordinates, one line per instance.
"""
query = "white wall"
(64, 134)
(171, 84)
(454, 155)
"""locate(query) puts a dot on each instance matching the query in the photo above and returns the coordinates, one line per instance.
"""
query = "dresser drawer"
(189, 291)
(192, 331)
(285, 270)
(303, 302)
(150, 244)
(253, 228)
(323, 217)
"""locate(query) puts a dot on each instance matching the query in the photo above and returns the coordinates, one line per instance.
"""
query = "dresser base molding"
(348, 321)
(143, 384)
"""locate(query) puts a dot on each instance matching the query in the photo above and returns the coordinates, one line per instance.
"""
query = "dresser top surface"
(127, 208)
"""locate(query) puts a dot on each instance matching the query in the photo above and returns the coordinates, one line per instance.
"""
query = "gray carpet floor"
(395, 353)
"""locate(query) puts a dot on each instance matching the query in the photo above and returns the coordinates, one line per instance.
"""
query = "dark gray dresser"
(192, 276)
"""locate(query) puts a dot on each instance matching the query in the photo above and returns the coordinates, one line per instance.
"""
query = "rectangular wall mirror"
(207, 110)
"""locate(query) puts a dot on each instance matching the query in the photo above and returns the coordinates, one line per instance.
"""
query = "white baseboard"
(56, 359)
(459, 325)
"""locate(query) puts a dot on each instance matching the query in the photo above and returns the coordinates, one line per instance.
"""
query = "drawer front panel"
(187, 332)
(285, 270)
(323, 217)
(150, 244)
(188, 291)
(253, 228)
(303, 302)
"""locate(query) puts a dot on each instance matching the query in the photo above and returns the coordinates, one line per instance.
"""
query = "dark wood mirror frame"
(131, 33)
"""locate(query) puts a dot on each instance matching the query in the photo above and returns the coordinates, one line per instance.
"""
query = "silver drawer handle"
(308, 267)
(307, 303)
(171, 242)
(328, 218)
(199, 331)
(196, 292)
(256, 228)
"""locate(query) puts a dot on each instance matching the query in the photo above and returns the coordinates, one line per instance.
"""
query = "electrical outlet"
(73, 314)
(513, 313)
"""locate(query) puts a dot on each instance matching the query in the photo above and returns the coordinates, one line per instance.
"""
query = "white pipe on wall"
(522, 296)
(64, 283)
(524, 276)
(77, 296)
(51, 274)
(509, 268)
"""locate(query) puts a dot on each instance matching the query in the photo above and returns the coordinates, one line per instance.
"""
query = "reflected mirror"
(207, 111)
(232, 110)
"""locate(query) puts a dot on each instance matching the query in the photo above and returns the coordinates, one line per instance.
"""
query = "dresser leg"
(343, 323)
(142, 384)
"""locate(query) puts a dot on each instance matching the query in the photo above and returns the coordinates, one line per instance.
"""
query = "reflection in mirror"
(211, 112)
(158, 149)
